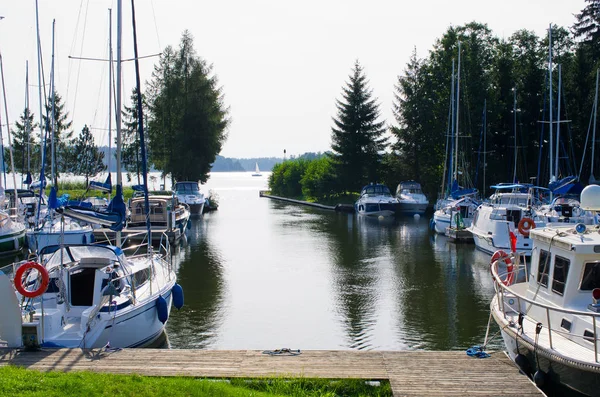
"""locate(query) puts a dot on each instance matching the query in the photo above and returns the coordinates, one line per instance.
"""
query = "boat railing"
(522, 301)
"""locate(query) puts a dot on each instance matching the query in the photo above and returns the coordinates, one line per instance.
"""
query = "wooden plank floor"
(411, 373)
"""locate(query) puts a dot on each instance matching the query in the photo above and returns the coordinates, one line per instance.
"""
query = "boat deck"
(410, 373)
(137, 234)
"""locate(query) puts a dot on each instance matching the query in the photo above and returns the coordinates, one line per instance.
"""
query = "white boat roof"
(566, 237)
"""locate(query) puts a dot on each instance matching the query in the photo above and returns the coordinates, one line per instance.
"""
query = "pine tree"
(63, 155)
(358, 139)
(23, 138)
(130, 144)
(587, 27)
(89, 160)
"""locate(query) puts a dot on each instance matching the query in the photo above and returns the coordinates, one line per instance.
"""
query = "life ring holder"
(500, 255)
(18, 280)
(525, 225)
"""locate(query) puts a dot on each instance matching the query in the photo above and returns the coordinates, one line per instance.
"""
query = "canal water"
(264, 274)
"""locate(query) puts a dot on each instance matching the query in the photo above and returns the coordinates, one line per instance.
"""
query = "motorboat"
(507, 218)
(87, 296)
(165, 212)
(454, 213)
(550, 319)
(376, 200)
(411, 199)
(189, 193)
(566, 210)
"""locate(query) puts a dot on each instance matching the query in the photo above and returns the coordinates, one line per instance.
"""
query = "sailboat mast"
(141, 128)
(118, 99)
(551, 107)
(110, 65)
(592, 178)
(27, 123)
(52, 148)
(42, 132)
(10, 149)
(558, 123)
(484, 142)
(450, 138)
(457, 107)
(515, 132)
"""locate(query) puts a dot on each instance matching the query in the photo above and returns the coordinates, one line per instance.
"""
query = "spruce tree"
(64, 155)
(358, 139)
(130, 143)
(88, 159)
(587, 27)
(23, 138)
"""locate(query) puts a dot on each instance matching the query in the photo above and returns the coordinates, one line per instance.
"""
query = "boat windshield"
(190, 187)
(74, 253)
(376, 190)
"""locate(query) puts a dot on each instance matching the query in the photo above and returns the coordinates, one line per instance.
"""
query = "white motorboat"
(507, 218)
(550, 321)
(189, 193)
(411, 199)
(454, 213)
(376, 200)
(87, 296)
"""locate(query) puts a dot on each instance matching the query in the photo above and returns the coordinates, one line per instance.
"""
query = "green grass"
(21, 382)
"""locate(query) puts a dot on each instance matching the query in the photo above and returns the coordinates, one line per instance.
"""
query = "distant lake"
(263, 274)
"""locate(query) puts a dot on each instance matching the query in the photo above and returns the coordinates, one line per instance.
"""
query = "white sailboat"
(91, 296)
(256, 170)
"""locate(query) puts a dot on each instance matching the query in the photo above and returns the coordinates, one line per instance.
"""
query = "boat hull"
(411, 208)
(12, 243)
(559, 371)
(37, 241)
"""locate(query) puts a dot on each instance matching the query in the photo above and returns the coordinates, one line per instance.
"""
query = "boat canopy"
(375, 189)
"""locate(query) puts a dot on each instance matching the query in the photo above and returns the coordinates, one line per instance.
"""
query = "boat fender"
(177, 296)
(539, 378)
(432, 224)
(523, 364)
(162, 311)
(84, 239)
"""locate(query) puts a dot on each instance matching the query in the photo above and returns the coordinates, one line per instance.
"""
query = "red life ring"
(525, 225)
(19, 279)
(503, 256)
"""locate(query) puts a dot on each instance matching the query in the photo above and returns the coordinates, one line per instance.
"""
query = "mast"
(10, 149)
(450, 138)
(558, 123)
(118, 99)
(551, 107)
(27, 124)
(484, 142)
(141, 128)
(592, 178)
(53, 125)
(457, 106)
(110, 65)
(515, 134)
(42, 132)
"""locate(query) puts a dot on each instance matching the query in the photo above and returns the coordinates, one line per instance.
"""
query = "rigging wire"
(73, 48)
(80, 52)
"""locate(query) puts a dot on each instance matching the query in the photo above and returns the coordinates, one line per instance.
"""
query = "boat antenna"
(141, 128)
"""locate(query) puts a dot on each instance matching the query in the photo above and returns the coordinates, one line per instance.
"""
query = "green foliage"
(130, 140)
(188, 119)
(64, 155)
(358, 138)
(24, 144)
(319, 180)
(29, 383)
(587, 27)
(285, 180)
(88, 159)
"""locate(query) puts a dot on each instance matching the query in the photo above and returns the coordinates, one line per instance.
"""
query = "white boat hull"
(405, 208)
(38, 240)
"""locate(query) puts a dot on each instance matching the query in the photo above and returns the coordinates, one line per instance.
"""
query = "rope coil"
(283, 351)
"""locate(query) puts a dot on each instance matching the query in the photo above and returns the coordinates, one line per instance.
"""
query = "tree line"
(503, 99)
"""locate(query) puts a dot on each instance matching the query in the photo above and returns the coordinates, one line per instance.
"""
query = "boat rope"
(538, 329)
(283, 351)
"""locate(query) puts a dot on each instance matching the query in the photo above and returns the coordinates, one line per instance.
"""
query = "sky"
(281, 64)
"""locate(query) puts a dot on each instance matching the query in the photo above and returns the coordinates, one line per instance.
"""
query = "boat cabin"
(159, 209)
(187, 188)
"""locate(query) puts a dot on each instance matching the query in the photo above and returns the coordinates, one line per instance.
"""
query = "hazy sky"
(281, 64)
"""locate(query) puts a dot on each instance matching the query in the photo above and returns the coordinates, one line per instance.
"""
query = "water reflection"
(200, 275)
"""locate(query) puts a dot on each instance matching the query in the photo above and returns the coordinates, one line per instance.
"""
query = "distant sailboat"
(256, 170)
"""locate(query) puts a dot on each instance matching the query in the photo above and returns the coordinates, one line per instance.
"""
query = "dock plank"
(410, 373)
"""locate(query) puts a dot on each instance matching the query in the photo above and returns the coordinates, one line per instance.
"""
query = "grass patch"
(29, 383)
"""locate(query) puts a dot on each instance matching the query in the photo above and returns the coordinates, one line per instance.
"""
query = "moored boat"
(189, 193)
(411, 200)
(376, 200)
(550, 320)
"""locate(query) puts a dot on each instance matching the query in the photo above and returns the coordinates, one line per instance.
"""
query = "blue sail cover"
(112, 220)
(52, 200)
(568, 185)
(28, 179)
(117, 205)
(458, 192)
(103, 187)
(138, 188)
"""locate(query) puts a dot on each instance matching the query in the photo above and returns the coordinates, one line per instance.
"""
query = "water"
(264, 274)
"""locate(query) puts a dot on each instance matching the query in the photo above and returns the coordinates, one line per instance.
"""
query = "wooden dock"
(339, 207)
(459, 235)
(410, 373)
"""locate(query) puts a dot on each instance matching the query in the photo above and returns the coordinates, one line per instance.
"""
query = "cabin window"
(591, 276)
(140, 277)
(588, 335)
(559, 277)
(543, 268)
(566, 324)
